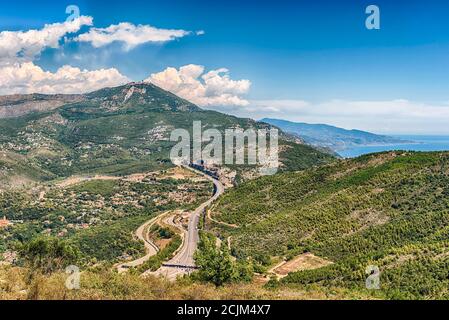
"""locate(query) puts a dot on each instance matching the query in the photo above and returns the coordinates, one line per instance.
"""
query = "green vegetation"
(155, 262)
(48, 255)
(98, 216)
(389, 210)
(216, 265)
(105, 284)
(297, 157)
(114, 131)
(110, 241)
(98, 140)
(105, 188)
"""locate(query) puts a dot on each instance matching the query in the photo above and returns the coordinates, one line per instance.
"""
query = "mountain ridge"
(335, 138)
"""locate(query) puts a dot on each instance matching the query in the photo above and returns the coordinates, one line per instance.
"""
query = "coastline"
(417, 143)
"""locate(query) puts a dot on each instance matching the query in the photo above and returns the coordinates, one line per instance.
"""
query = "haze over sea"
(420, 143)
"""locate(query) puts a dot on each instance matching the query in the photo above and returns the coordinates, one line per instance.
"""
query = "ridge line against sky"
(299, 61)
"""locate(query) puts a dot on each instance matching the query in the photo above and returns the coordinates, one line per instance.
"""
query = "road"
(150, 247)
(184, 258)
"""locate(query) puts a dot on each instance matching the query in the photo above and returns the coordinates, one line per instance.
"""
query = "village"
(64, 208)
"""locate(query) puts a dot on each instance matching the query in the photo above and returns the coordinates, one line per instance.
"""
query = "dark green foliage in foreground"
(216, 264)
(388, 209)
(47, 255)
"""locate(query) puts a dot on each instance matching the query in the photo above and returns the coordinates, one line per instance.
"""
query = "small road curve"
(150, 247)
(209, 216)
(183, 262)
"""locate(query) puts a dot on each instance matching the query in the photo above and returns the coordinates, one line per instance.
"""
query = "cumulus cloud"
(389, 116)
(19, 50)
(211, 89)
(19, 74)
(29, 78)
(24, 46)
(129, 34)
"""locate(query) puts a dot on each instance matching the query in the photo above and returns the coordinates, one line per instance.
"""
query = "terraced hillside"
(115, 131)
(389, 210)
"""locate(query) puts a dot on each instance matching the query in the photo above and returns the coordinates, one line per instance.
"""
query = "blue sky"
(309, 54)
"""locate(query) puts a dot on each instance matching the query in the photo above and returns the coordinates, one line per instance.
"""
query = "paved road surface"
(150, 247)
(191, 238)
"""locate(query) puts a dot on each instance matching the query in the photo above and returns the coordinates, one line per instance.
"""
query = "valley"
(115, 132)
(91, 174)
(237, 152)
(98, 213)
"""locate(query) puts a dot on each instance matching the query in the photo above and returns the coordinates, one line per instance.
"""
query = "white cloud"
(212, 89)
(130, 35)
(390, 117)
(24, 46)
(19, 74)
(29, 78)
(19, 50)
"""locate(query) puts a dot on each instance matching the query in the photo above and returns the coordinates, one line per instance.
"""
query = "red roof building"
(4, 222)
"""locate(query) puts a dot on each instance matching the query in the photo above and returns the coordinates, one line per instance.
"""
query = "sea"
(417, 143)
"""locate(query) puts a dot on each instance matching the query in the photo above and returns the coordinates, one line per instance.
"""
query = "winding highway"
(150, 247)
(183, 262)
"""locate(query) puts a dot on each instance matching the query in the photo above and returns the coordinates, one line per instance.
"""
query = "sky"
(305, 61)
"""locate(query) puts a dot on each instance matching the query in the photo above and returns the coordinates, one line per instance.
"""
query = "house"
(4, 222)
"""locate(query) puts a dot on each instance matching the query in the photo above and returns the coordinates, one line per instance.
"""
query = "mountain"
(322, 135)
(19, 105)
(388, 210)
(92, 168)
(114, 131)
(328, 219)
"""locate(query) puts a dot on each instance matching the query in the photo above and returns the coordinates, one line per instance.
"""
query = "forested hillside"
(389, 210)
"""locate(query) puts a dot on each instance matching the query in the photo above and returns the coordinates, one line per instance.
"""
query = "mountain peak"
(140, 94)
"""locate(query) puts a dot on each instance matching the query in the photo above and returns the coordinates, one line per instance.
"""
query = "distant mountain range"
(326, 136)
